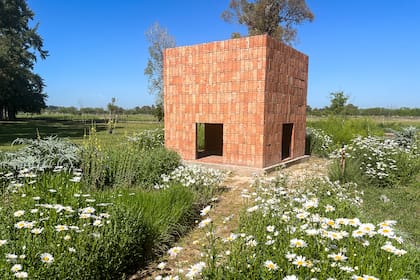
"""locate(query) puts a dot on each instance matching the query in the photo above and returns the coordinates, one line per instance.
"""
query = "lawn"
(73, 127)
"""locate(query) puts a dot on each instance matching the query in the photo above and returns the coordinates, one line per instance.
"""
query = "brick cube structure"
(236, 102)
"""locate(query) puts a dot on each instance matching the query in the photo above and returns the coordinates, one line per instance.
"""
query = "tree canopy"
(20, 88)
(338, 102)
(159, 39)
(276, 18)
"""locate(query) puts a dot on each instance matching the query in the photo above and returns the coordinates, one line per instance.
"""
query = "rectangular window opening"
(209, 139)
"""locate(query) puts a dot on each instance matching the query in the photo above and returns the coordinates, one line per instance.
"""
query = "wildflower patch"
(312, 232)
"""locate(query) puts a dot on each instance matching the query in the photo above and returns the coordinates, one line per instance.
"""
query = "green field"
(73, 127)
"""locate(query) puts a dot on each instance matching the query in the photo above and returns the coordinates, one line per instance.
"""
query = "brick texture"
(250, 85)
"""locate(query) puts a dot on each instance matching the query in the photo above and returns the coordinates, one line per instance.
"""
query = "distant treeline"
(149, 110)
(352, 110)
(348, 109)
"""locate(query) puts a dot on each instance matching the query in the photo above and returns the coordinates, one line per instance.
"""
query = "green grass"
(89, 117)
(399, 203)
(72, 127)
(396, 202)
(343, 129)
(200, 136)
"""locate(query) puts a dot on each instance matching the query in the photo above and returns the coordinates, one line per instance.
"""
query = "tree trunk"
(12, 113)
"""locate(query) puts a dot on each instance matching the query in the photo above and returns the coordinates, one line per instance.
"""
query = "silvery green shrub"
(42, 153)
(406, 137)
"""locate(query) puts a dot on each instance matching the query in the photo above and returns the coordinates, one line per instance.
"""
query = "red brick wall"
(241, 83)
(285, 99)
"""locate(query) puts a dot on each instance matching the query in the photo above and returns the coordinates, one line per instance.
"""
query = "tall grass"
(136, 161)
(343, 130)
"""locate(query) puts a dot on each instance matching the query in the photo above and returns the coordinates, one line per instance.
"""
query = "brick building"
(236, 102)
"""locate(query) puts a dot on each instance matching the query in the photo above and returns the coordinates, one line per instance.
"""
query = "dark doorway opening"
(209, 139)
(287, 141)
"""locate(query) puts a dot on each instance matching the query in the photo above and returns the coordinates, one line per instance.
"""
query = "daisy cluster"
(379, 159)
(14, 181)
(321, 142)
(312, 232)
(193, 176)
(36, 230)
(148, 139)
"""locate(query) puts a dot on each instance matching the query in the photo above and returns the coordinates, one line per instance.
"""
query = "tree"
(159, 39)
(351, 109)
(338, 102)
(158, 112)
(20, 88)
(273, 17)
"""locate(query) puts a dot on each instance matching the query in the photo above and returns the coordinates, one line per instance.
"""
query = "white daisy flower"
(298, 243)
(37, 231)
(270, 228)
(97, 223)
(338, 257)
(300, 261)
(16, 268)
(20, 224)
(195, 270)
(205, 210)
(174, 251)
(19, 213)
(46, 258)
(61, 228)
(21, 274)
(204, 223)
(161, 265)
(290, 277)
(270, 265)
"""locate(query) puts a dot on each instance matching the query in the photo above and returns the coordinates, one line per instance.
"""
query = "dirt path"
(225, 214)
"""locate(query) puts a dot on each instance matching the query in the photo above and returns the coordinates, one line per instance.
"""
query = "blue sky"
(370, 49)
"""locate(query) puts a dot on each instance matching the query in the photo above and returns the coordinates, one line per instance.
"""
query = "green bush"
(155, 163)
